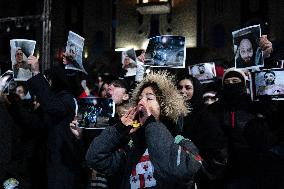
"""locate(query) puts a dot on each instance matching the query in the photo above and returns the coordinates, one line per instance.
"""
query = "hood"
(198, 91)
(172, 103)
(196, 100)
(234, 72)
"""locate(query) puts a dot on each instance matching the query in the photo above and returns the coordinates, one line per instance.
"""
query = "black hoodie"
(204, 130)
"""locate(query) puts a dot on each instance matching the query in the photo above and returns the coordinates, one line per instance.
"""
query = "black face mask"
(233, 91)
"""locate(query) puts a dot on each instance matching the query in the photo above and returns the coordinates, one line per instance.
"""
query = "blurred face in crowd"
(118, 94)
(148, 104)
(210, 98)
(104, 90)
(20, 91)
(246, 50)
(185, 87)
(141, 57)
(126, 61)
(269, 78)
(19, 55)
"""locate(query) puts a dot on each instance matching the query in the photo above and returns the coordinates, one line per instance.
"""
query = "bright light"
(121, 49)
(148, 71)
(135, 47)
(86, 54)
(145, 44)
(164, 39)
(147, 1)
(37, 55)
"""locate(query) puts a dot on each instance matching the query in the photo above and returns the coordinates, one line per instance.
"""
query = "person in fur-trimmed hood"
(152, 157)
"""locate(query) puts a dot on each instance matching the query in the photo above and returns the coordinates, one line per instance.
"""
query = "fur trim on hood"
(171, 101)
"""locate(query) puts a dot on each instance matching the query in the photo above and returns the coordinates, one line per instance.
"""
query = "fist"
(33, 61)
(266, 46)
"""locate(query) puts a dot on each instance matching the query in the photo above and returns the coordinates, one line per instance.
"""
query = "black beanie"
(234, 73)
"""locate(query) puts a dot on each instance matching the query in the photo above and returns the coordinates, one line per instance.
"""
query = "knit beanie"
(232, 72)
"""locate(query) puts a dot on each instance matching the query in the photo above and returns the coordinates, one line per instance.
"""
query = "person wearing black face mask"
(234, 110)
(234, 87)
(204, 130)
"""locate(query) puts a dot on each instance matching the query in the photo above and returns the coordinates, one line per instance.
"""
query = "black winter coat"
(65, 155)
(205, 131)
(170, 166)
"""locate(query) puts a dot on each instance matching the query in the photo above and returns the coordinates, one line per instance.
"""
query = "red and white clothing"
(142, 174)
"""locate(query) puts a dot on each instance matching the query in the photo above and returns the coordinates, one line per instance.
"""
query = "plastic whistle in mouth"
(136, 124)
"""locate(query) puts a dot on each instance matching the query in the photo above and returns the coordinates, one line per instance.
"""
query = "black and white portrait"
(204, 72)
(21, 49)
(246, 47)
(74, 51)
(268, 83)
(129, 62)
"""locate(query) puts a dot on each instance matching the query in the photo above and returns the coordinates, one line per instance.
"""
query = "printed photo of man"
(270, 87)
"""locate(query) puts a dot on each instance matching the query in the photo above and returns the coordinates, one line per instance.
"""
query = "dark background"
(97, 21)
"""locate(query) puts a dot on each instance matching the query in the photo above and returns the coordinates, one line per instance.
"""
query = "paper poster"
(95, 112)
(204, 72)
(166, 51)
(21, 49)
(268, 83)
(6, 82)
(247, 52)
(129, 62)
(74, 52)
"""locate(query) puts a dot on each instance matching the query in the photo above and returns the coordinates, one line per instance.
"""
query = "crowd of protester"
(191, 135)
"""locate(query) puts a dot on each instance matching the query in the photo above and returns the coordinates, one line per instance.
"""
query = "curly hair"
(170, 100)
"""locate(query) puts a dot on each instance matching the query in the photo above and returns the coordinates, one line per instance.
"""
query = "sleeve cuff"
(122, 129)
(149, 120)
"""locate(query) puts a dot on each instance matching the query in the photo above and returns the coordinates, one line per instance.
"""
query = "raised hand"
(266, 46)
(77, 131)
(33, 61)
(129, 117)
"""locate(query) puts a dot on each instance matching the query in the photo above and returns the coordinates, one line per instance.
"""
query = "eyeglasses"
(148, 96)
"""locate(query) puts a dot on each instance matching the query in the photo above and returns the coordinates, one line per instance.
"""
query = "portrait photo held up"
(204, 72)
(129, 62)
(248, 54)
(73, 52)
(21, 49)
(94, 112)
(166, 51)
(268, 83)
